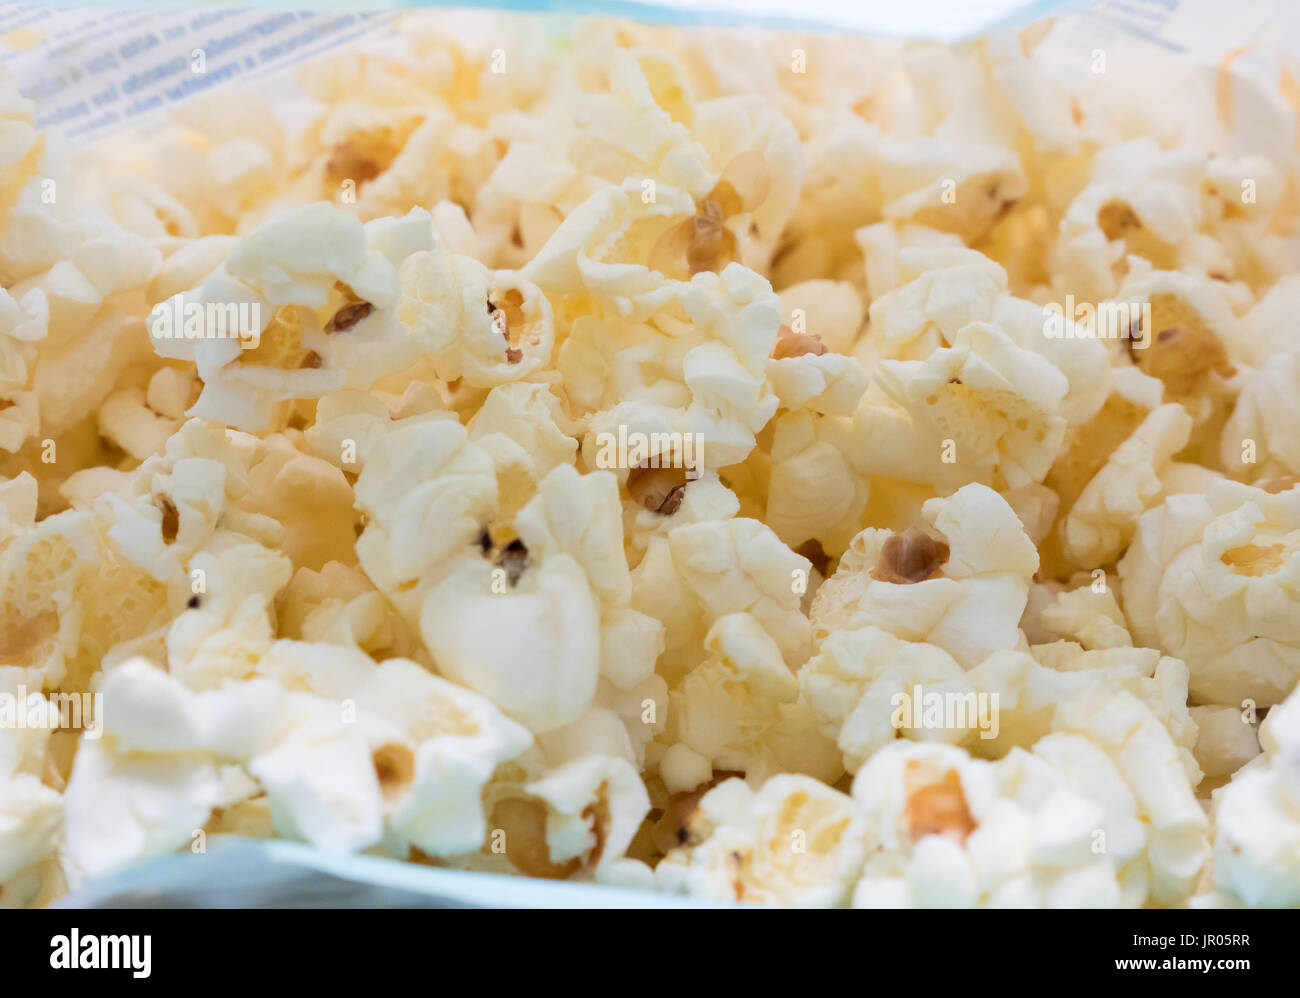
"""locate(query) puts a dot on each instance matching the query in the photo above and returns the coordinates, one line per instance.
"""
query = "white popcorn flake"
(962, 586)
(1257, 843)
(1208, 579)
(534, 650)
(594, 806)
(427, 489)
(450, 742)
(120, 809)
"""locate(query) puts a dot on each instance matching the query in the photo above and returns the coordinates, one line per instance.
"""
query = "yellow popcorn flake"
(1182, 352)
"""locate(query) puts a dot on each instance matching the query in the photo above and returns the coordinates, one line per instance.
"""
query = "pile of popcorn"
(657, 458)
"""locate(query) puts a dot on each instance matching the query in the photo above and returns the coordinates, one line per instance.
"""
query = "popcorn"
(120, 810)
(287, 275)
(486, 328)
(1257, 848)
(945, 394)
(533, 649)
(338, 605)
(423, 472)
(415, 758)
(1055, 827)
(580, 516)
(739, 133)
(1092, 618)
(701, 572)
(577, 471)
(449, 743)
(523, 426)
(828, 384)
(970, 386)
(33, 817)
(41, 570)
(79, 294)
(24, 320)
(707, 370)
(794, 842)
(1207, 579)
(594, 806)
(1192, 327)
(830, 310)
(811, 456)
(963, 590)
(1225, 740)
(912, 175)
(1258, 426)
(626, 132)
(229, 629)
(1139, 196)
(31, 812)
(1100, 523)
(322, 790)
(723, 709)
(1171, 209)
(855, 681)
(129, 423)
(861, 174)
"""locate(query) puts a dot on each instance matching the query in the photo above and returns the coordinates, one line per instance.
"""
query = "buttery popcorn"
(873, 485)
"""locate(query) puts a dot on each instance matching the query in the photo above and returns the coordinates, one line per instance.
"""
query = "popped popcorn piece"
(426, 490)
(594, 806)
(1055, 827)
(960, 583)
(700, 572)
(832, 311)
(31, 811)
(119, 810)
(814, 489)
(1100, 523)
(486, 327)
(1090, 617)
(288, 313)
(1257, 842)
(1225, 740)
(1170, 209)
(793, 842)
(1260, 427)
(856, 681)
(970, 385)
(1208, 579)
(724, 708)
(440, 745)
(523, 427)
